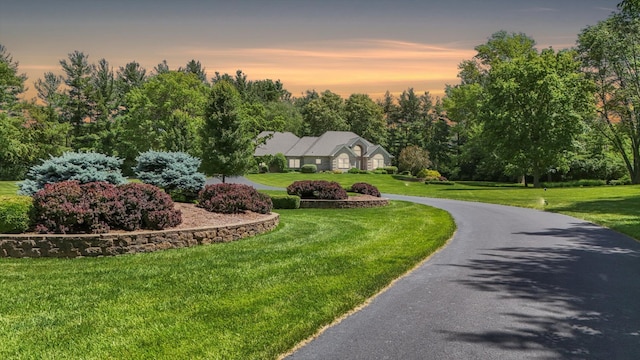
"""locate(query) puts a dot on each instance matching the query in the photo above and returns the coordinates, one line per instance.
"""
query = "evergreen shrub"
(233, 198)
(309, 169)
(97, 207)
(285, 201)
(317, 189)
(391, 169)
(175, 172)
(364, 188)
(82, 167)
(14, 214)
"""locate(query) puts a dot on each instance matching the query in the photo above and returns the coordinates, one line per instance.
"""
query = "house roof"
(279, 142)
(325, 145)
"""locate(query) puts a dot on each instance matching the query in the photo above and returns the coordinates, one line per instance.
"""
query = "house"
(333, 150)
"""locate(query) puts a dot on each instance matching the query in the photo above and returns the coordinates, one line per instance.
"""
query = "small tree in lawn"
(227, 146)
(413, 158)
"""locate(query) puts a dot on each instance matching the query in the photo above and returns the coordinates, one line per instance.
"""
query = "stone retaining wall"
(351, 203)
(68, 246)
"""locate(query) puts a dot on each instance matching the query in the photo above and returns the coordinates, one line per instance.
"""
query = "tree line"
(518, 112)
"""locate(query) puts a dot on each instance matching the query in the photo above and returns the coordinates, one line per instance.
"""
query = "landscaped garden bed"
(198, 227)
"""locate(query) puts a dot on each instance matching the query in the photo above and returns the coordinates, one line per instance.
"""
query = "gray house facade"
(333, 150)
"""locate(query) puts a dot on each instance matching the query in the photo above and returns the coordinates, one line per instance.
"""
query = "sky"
(358, 46)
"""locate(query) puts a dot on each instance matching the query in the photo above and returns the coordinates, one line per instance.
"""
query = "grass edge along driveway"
(614, 207)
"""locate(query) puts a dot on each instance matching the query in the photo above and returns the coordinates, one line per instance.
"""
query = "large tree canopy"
(164, 114)
(533, 110)
(610, 53)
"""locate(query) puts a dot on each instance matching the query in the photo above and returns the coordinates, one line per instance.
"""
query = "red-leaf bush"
(97, 207)
(317, 189)
(146, 207)
(365, 189)
(233, 198)
(71, 207)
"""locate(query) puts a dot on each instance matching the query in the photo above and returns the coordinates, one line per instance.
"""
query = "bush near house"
(285, 201)
(97, 207)
(14, 214)
(233, 198)
(308, 169)
(365, 189)
(390, 169)
(82, 167)
(278, 163)
(317, 189)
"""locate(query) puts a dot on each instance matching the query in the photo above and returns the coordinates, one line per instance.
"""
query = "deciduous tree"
(610, 53)
(227, 146)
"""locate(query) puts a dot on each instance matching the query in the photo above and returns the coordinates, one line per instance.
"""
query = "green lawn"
(616, 207)
(250, 299)
(8, 187)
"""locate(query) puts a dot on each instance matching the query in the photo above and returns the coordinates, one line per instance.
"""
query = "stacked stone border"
(353, 202)
(78, 245)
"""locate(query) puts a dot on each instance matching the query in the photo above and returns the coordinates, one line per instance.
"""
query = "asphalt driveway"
(512, 284)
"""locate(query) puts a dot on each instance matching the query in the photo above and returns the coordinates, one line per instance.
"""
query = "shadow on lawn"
(627, 206)
(586, 294)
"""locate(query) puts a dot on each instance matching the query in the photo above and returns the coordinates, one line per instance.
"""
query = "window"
(343, 161)
(378, 161)
(318, 161)
(294, 163)
(357, 150)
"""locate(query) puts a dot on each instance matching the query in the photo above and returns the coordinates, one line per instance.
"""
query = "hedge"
(14, 214)
(285, 201)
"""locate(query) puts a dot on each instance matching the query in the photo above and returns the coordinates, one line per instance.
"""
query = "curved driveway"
(512, 284)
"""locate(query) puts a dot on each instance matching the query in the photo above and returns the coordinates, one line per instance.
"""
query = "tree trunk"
(223, 178)
(536, 178)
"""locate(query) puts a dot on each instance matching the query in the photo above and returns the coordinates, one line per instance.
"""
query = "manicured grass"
(251, 299)
(616, 207)
(8, 187)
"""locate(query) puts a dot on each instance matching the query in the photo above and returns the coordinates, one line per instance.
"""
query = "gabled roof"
(328, 144)
(279, 142)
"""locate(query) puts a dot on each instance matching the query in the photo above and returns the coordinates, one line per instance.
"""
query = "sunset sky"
(345, 46)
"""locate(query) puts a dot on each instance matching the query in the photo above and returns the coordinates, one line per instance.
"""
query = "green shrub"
(81, 167)
(14, 214)
(12, 172)
(380, 171)
(285, 201)
(429, 175)
(308, 169)
(278, 163)
(625, 180)
(175, 172)
(390, 169)
(358, 171)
